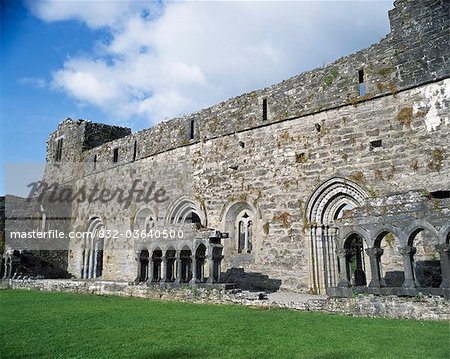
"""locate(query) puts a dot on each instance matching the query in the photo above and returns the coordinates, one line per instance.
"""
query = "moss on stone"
(405, 116)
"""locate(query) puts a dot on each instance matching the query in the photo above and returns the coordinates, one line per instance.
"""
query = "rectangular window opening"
(361, 76)
(440, 194)
(362, 85)
(58, 153)
(135, 151)
(116, 155)
(376, 144)
(192, 132)
(264, 109)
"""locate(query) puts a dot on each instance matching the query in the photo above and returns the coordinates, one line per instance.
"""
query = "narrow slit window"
(362, 85)
(58, 153)
(192, 131)
(95, 162)
(135, 151)
(264, 109)
(116, 155)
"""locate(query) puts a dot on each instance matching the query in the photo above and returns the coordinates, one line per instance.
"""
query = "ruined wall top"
(415, 53)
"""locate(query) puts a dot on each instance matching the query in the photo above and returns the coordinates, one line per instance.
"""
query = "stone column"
(163, 269)
(94, 267)
(211, 269)
(194, 270)
(91, 259)
(139, 269)
(343, 275)
(375, 270)
(150, 270)
(85, 256)
(444, 252)
(202, 270)
(219, 268)
(90, 264)
(245, 237)
(407, 253)
(178, 268)
(8, 266)
(205, 268)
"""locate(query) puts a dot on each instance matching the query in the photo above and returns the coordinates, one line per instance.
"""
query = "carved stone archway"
(327, 204)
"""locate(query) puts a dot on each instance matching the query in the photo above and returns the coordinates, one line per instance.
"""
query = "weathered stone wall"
(414, 53)
(419, 308)
(277, 170)
(77, 136)
(395, 138)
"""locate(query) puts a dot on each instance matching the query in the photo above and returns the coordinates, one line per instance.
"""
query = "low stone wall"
(418, 308)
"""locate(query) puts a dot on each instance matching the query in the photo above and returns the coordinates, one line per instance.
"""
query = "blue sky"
(138, 63)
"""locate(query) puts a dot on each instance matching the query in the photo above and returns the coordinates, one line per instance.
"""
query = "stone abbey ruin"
(332, 181)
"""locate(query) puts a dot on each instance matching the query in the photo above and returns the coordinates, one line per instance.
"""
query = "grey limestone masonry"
(334, 181)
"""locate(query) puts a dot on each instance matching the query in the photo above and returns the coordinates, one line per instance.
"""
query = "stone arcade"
(332, 181)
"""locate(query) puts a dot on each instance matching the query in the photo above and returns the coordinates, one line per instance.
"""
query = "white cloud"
(188, 55)
(37, 82)
(95, 13)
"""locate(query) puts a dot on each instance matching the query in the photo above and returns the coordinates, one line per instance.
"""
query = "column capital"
(443, 248)
(374, 252)
(342, 252)
(407, 250)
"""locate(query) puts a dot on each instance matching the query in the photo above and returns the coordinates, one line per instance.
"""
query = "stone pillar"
(94, 267)
(178, 268)
(8, 266)
(201, 268)
(375, 270)
(205, 268)
(139, 266)
(407, 253)
(15, 262)
(194, 271)
(90, 264)
(343, 275)
(219, 268)
(163, 269)
(444, 252)
(83, 272)
(211, 269)
(319, 259)
(150, 270)
(246, 237)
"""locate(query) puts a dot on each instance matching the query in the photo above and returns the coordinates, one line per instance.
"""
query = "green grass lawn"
(63, 325)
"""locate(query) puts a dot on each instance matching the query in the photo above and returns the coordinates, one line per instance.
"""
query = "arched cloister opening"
(186, 211)
(355, 260)
(186, 265)
(171, 265)
(156, 263)
(425, 258)
(92, 250)
(390, 260)
(216, 258)
(200, 258)
(328, 203)
(143, 265)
